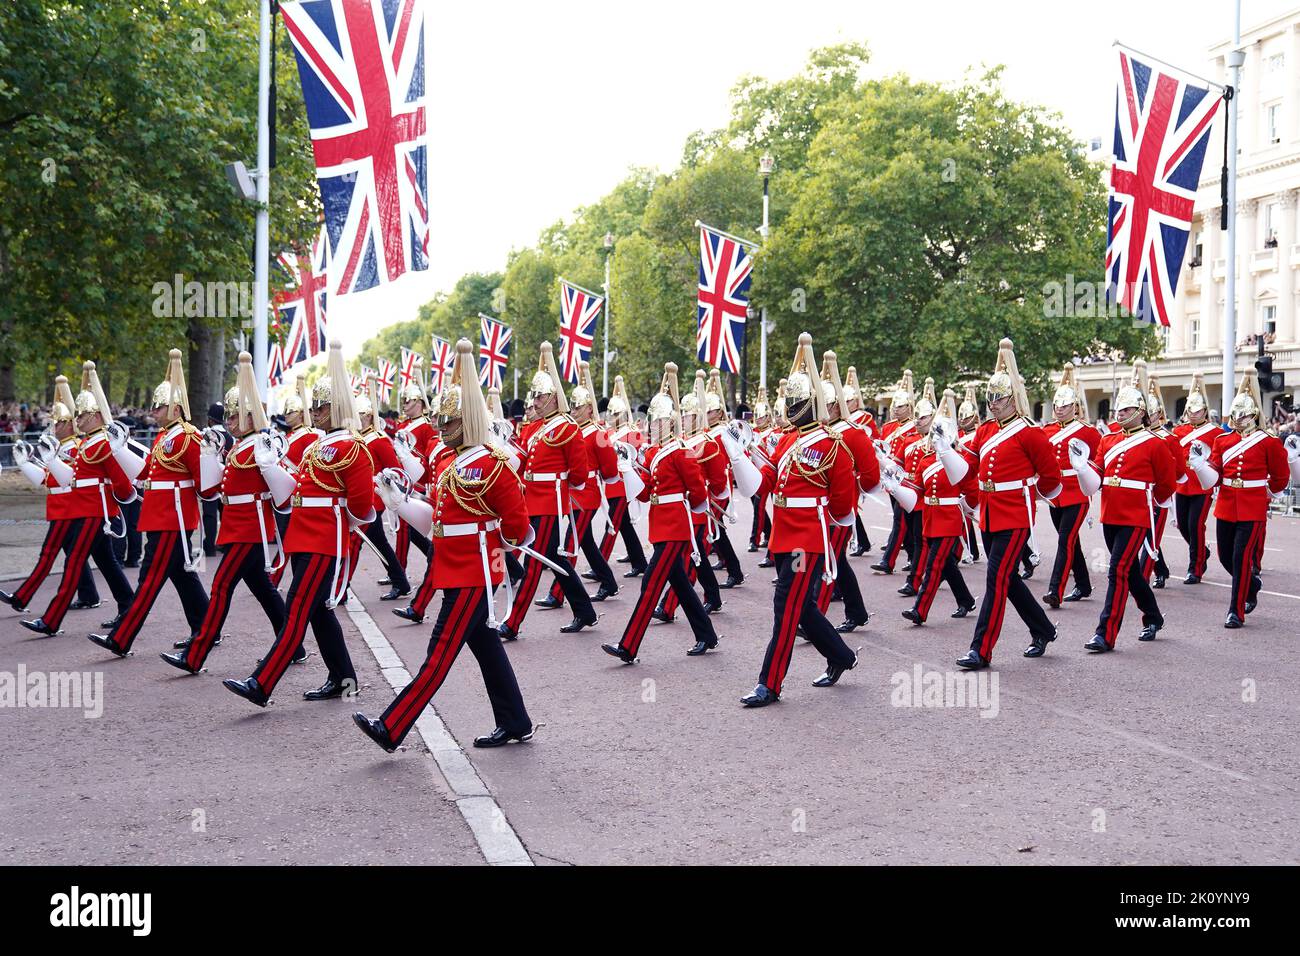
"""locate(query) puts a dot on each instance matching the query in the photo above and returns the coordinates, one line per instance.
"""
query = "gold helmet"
(1196, 400)
(904, 391)
(804, 383)
(1246, 410)
(947, 411)
(1155, 401)
(334, 390)
(1068, 391)
(761, 408)
(619, 407)
(1006, 381)
(970, 405)
(928, 404)
(852, 390)
(584, 393)
(693, 404)
(171, 392)
(64, 404)
(243, 400)
(1134, 394)
(665, 405)
(462, 397)
(91, 398)
(546, 380)
(714, 400)
(299, 399)
(837, 404)
(778, 407)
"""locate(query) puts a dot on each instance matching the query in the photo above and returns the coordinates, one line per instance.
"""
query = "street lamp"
(765, 166)
(604, 362)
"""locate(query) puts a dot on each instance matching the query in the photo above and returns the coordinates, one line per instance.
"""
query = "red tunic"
(1184, 435)
(713, 469)
(556, 462)
(473, 491)
(1249, 468)
(867, 422)
(812, 484)
(246, 517)
(858, 439)
(674, 486)
(424, 443)
(897, 436)
(1137, 474)
(171, 481)
(300, 439)
(58, 500)
(1011, 457)
(1059, 436)
(336, 470)
(96, 473)
(604, 461)
(939, 499)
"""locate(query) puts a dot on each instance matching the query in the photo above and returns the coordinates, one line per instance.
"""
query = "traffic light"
(1269, 381)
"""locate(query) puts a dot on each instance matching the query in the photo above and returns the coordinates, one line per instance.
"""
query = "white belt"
(245, 499)
(460, 530)
(1068, 472)
(79, 483)
(781, 501)
(942, 501)
(61, 489)
(191, 562)
(534, 476)
(151, 485)
(667, 499)
(1004, 485)
(673, 498)
(1116, 482)
(298, 501)
(1245, 482)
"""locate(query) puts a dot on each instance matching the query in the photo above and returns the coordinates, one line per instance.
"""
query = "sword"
(524, 549)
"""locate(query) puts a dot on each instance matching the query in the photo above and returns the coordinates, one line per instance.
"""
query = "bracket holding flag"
(726, 266)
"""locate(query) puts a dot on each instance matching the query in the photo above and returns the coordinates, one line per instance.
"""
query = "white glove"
(31, 471)
(903, 494)
(389, 492)
(22, 453)
(1199, 451)
(731, 442)
(748, 478)
(1089, 480)
(47, 449)
(132, 465)
(1292, 445)
(1078, 451)
(415, 512)
(939, 439)
(411, 463)
(117, 435)
(1198, 461)
(210, 469)
(954, 464)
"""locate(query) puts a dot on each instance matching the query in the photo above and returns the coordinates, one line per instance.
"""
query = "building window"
(1164, 339)
(1194, 334)
(1272, 122)
(1276, 63)
(1270, 320)
(1270, 225)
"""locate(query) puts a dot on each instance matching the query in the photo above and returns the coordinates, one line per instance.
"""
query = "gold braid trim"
(234, 462)
(311, 462)
(553, 443)
(819, 474)
(469, 492)
(108, 451)
(188, 432)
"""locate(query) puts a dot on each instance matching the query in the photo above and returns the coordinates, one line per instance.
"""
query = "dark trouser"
(462, 619)
(620, 523)
(939, 560)
(793, 606)
(241, 562)
(313, 574)
(845, 580)
(727, 552)
(1192, 512)
(703, 572)
(591, 552)
(58, 537)
(405, 538)
(861, 541)
(1002, 583)
(211, 524)
(667, 568)
(1156, 562)
(758, 528)
(88, 541)
(546, 529)
(897, 535)
(912, 543)
(1239, 547)
(164, 560)
(129, 546)
(1068, 522)
(972, 538)
(1124, 576)
(282, 522)
(375, 532)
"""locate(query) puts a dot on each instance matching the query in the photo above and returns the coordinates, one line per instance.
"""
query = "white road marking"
(496, 838)
(1218, 584)
(876, 527)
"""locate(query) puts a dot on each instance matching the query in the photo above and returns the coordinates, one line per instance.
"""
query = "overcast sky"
(536, 108)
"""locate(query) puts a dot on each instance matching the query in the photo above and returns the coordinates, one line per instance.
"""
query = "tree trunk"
(206, 362)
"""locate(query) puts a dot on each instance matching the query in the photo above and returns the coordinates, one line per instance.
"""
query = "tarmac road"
(1178, 751)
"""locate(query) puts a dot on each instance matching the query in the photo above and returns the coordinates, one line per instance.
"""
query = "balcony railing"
(1263, 260)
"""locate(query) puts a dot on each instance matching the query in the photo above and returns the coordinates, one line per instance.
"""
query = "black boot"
(247, 689)
(835, 671)
(178, 661)
(375, 731)
(40, 627)
(549, 603)
(972, 661)
(760, 696)
(617, 650)
(408, 613)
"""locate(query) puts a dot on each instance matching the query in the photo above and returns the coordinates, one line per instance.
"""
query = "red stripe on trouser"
(54, 535)
(839, 540)
(674, 552)
(532, 573)
(938, 558)
(295, 624)
(692, 575)
(798, 593)
(223, 586)
(1198, 536)
(412, 699)
(72, 568)
(899, 533)
(426, 591)
(1001, 581)
(1246, 571)
(147, 593)
(1149, 562)
(354, 552)
(1068, 545)
(1120, 601)
(615, 522)
(402, 546)
(579, 528)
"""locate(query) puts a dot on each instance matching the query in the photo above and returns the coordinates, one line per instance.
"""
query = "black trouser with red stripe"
(546, 530)
(620, 523)
(1124, 576)
(703, 572)
(863, 541)
(58, 538)
(1068, 522)
(667, 568)
(313, 575)
(845, 580)
(1240, 543)
(1002, 584)
(939, 561)
(1156, 562)
(88, 541)
(128, 547)
(406, 535)
(758, 528)
(1193, 511)
(163, 560)
(240, 562)
(897, 535)
(595, 561)
(726, 551)
(794, 605)
(462, 619)
(972, 538)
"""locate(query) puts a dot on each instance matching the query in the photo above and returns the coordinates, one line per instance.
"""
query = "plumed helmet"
(1196, 399)
(242, 399)
(618, 406)
(970, 406)
(171, 392)
(852, 390)
(91, 398)
(928, 404)
(63, 409)
(583, 394)
(462, 397)
(904, 391)
(1006, 381)
(837, 403)
(1247, 405)
(714, 400)
(804, 383)
(665, 404)
(1068, 391)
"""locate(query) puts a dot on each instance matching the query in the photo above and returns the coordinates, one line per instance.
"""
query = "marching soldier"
(1135, 471)
(1012, 454)
(813, 487)
(301, 437)
(671, 481)
(604, 473)
(897, 434)
(866, 471)
(1191, 501)
(98, 488)
(476, 510)
(415, 436)
(968, 420)
(716, 420)
(1069, 509)
(1159, 423)
(864, 420)
(556, 464)
(58, 445)
(912, 449)
(766, 449)
(762, 425)
(1247, 465)
(248, 533)
(622, 429)
(928, 489)
(331, 495)
(711, 461)
(169, 513)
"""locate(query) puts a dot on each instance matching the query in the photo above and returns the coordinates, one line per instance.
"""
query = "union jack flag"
(364, 378)
(275, 364)
(385, 378)
(725, 266)
(442, 358)
(300, 304)
(412, 362)
(1162, 129)
(362, 69)
(493, 350)
(579, 310)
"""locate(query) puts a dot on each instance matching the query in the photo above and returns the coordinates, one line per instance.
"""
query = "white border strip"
(496, 838)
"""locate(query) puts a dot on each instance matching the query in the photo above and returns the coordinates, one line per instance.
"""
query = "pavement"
(1179, 751)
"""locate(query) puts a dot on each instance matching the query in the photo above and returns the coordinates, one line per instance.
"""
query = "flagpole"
(260, 244)
(1235, 59)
